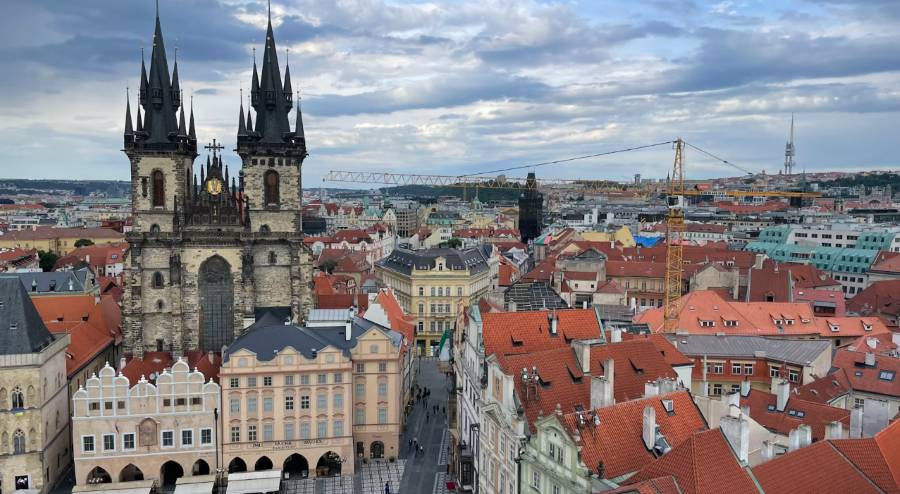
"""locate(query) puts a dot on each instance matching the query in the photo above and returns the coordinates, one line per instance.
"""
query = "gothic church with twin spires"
(211, 251)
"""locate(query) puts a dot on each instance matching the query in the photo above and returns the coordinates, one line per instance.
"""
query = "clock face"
(214, 186)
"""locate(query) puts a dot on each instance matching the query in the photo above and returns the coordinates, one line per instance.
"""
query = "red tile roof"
(866, 455)
(348, 261)
(702, 464)
(881, 297)
(888, 441)
(617, 442)
(636, 362)
(886, 262)
(863, 378)
(659, 485)
(400, 321)
(561, 382)
(815, 415)
(543, 271)
(93, 325)
(343, 301)
(635, 269)
(824, 389)
(758, 318)
(818, 468)
(509, 333)
(153, 363)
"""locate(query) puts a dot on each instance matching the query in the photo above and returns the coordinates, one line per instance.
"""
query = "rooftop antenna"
(789, 151)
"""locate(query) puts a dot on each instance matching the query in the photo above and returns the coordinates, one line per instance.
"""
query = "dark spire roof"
(144, 90)
(270, 102)
(160, 119)
(192, 133)
(21, 327)
(129, 130)
(140, 123)
(249, 122)
(242, 126)
(298, 130)
(287, 74)
(254, 84)
(182, 128)
(176, 87)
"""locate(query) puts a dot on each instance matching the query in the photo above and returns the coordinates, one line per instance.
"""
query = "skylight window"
(886, 375)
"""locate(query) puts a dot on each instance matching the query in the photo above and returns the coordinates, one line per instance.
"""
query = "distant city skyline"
(459, 87)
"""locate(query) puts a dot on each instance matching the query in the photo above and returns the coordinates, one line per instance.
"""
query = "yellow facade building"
(433, 284)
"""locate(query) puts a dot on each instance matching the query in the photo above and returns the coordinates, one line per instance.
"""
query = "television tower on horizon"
(789, 151)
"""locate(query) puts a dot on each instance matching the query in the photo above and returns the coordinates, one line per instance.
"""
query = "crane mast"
(674, 237)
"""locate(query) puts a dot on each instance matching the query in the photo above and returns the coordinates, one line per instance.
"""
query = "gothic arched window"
(265, 229)
(18, 442)
(18, 398)
(272, 194)
(158, 281)
(159, 189)
(273, 258)
(154, 228)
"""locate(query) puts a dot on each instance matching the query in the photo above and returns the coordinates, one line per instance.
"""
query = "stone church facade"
(209, 253)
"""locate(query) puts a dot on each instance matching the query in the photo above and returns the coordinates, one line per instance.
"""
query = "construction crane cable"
(717, 158)
(566, 160)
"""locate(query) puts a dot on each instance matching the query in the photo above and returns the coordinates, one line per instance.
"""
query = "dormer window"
(867, 327)
(729, 323)
(834, 327)
(707, 324)
(789, 322)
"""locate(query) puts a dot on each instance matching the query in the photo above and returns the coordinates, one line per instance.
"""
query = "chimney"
(703, 389)
(554, 323)
(805, 433)
(783, 394)
(856, 423)
(512, 306)
(736, 429)
(348, 329)
(122, 363)
(768, 450)
(758, 262)
(745, 388)
(616, 335)
(794, 440)
(733, 399)
(895, 339)
(582, 349)
(650, 389)
(834, 430)
(870, 359)
(211, 357)
(602, 388)
(649, 430)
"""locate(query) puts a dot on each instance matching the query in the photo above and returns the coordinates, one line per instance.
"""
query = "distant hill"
(425, 191)
(873, 180)
(111, 188)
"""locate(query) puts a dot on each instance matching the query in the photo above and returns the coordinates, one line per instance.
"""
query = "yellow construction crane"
(674, 238)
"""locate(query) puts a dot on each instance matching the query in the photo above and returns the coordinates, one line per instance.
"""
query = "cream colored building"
(308, 400)
(123, 432)
(433, 284)
(34, 410)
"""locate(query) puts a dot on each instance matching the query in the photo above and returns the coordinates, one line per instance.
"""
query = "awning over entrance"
(264, 482)
(136, 487)
(199, 484)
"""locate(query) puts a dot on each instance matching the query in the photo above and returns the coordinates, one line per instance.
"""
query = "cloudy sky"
(462, 86)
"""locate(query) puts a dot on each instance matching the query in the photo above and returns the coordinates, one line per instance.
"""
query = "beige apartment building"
(432, 285)
(308, 400)
(162, 431)
(34, 403)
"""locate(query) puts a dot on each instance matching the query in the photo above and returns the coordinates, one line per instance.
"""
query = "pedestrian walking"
(409, 441)
(444, 410)
(426, 417)
(387, 488)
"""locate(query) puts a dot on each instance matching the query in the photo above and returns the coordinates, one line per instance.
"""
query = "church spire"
(298, 127)
(192, 133)
(182, 128)
(249, 122)
(144, 88)
(140, 123)
(254, 84)
(242, 127)
(160, 119)
(176, 87)
(287, 76)
(129, 130)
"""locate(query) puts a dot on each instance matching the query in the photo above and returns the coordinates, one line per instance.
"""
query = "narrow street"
(425, 471)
